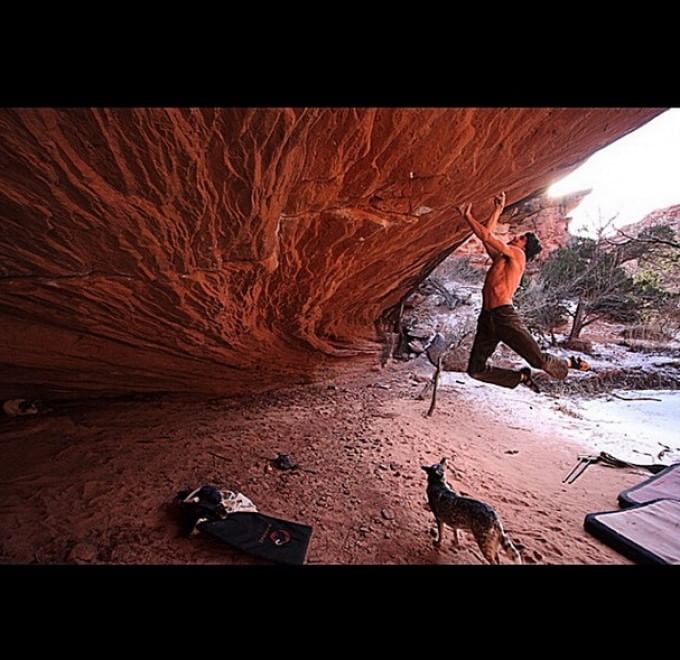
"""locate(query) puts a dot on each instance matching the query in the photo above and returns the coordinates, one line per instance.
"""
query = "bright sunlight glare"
(630, 178)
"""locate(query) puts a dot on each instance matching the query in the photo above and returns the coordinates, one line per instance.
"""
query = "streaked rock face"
(200, 250)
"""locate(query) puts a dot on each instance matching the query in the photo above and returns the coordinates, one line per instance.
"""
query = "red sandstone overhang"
(232, 250)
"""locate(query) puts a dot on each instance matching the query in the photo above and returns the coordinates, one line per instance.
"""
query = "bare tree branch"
(637, 239)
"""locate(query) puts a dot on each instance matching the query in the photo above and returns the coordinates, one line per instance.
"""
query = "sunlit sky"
(632, 177)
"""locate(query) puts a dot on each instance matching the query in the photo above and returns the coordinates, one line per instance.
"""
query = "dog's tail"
(508, 546)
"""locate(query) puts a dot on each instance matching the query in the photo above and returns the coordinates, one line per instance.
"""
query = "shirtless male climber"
(498, 320)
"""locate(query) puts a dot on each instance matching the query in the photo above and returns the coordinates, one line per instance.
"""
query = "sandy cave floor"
(93, 483)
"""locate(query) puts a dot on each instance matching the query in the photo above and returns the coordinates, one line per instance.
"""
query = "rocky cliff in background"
(669, 216)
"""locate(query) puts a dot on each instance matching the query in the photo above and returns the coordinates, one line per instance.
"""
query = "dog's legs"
(440, 531)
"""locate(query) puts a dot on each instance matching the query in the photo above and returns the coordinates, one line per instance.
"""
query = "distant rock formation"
(669, 216)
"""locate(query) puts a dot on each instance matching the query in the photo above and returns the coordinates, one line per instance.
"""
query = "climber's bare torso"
(503, 278)
(509, 260)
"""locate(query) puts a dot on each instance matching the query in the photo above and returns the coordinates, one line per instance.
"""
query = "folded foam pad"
(646, 533)
(665, 485)
(262, 536)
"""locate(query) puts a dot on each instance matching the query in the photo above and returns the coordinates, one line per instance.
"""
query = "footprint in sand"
(534, 556)
(551, 547)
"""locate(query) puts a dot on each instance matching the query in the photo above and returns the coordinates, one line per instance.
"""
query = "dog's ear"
(425, 467)
(443, 461)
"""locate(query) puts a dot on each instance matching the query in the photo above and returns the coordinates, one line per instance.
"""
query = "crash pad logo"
(279, 537)
(276, 536)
